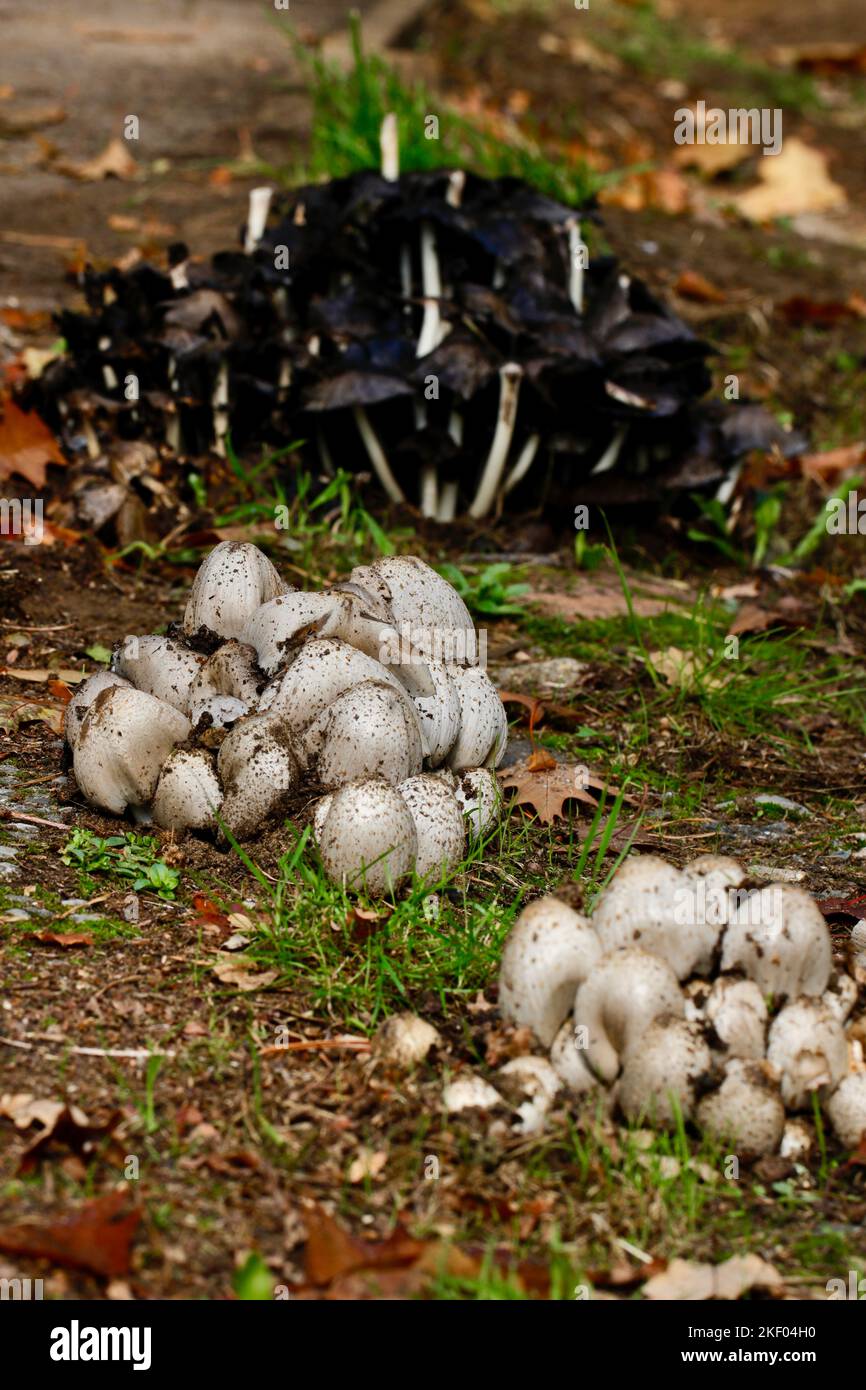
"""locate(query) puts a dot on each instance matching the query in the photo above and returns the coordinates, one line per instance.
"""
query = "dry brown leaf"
(713, 159)
(332, 1251)
(67, 939)
(681, 669)
(114, 162)
(243, 973)
(693, 285)
(96, 1237)
(547, 789)
(824, 59)
(43, 676)
(26, 444)
(24, 1110)
(14, 712)
(833, 463)
(793, 181)
(686, 1280)
(21, 122)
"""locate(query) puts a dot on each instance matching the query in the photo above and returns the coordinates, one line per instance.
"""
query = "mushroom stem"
(429, 471)
(389, 145)
(219, 404)
(257, 216)
(611, 453)
(575, 263)
(456, 185)
(510, 377)
(525, 460)
(432, 331)
(376, 455)
(325, 453)
(447, 502)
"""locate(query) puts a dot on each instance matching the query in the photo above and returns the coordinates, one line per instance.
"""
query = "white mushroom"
(483, 722)
(218, 712)
(746, 1110)
(569, 1060)
(231, 673)
(258, 768)
(83, 699)
(160, 667)
(404, 1040)
(233, 581)
(548, 952)
(439, 714)
(323, 669)
(281, 624)
(469, 1093)
(320, 812)
(807, 1044)
(841, 995)
(650, 904)
(778, 936)
(188, 793)
(423, 605)
(798, 1140)
(531, 1084)
(124, 739)
(738, 1014)
(720, 868)
(438, 824)
(368, 731)
(368, 838)
(847, 1110)
(618, 1000)
(662, 1070)
(478, 794)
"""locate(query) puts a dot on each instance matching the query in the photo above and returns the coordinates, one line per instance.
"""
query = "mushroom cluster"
(445, 330)
(689, 993)
(366, 695)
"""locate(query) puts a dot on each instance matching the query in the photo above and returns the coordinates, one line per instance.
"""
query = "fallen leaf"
(547, 789)
(692, 285)
(800, 309)
(115, 161)
(14, 712)
(687, 1280)
(713, 159)
(244, 974)
(21, 122)
(680, 668)
(24, 1110)
(43, 676)
(26, 444)
(66, 939)
(332, 1251)
(833, 464)
(71, 1130)
(96, 1236)
(367, 1164)
(824, 59)
(752, 618)
(793, 181)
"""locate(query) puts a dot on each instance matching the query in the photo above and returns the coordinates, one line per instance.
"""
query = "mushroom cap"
(480, 798)
(738, 1013)
(368, 837)
(548, 952)
(847, 1110)
(188, 793)
(404, 1040)
(746, 1109)
(217, 712)
(230, 670)
(483, 721)
(531, 1084)
(569, 1061)
(808, 1046)
(439, 714)
(719, 867)
(322, 671)
(662, 1069)
(841, 995)
(275, 628)
(233, 581)
(651, 904)
(438, 824)
(159, 666)
(124, 739)
(83, 699)
(617, 1002)
(258, 768)
(368, 731)
(469, 1093)
(778, 937)
(414, 594)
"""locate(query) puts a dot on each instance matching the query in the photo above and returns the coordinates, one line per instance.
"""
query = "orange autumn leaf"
(26, 445)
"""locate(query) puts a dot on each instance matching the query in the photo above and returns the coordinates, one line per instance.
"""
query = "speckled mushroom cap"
(438, 824)
(259, 772)
(124, 739)
(368, 731)
(417, 596)
(619, 998)
(323, 669)
(480, 799)
(274, 628)
(233, 581)
(651, 904)
(188, 794)
(808, 1046)
(159, 666)
(83, 699)
(548, 952)
(778, 936)
(483, 722)
(662, 1070)
(746, 1109)
(847, 1109)
(368, 837)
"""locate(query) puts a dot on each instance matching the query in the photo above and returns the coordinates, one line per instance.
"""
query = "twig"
(31, 820)
(133, 1053)
(318, 1045)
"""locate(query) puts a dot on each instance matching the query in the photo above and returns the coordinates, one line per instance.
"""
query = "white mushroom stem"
(510, 377)
(429, 471)
(325, 453)
(576, 249)
(219, 402)
(456, 185)
(389, 145)
(611, 453)
(376, 455)
(525, 460)
(432, 331)
(257, 216)
(447, 509)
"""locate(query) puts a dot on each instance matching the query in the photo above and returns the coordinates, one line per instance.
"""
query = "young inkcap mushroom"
(738, 1014)
(188, 793)
(779, 938)
(569, 1060)
(847, 1110)
(470, 1093)
(662, 1069)
(160, 667)
(124, 739)
(650, 904)
(618, 1000)
(83, 699)
(369, 731)
(404, 1040)
(230, 672)
(531, 1084)
(483, 721)
(422, 602)
(367, 839)
(808, 1046)
(322, 671)
(480, 799)
(233, 581)
(746, 1109)
(438, 824)
(548, 952)
(258, 768)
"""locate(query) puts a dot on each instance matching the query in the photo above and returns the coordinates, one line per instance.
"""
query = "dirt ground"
(238, 1145)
